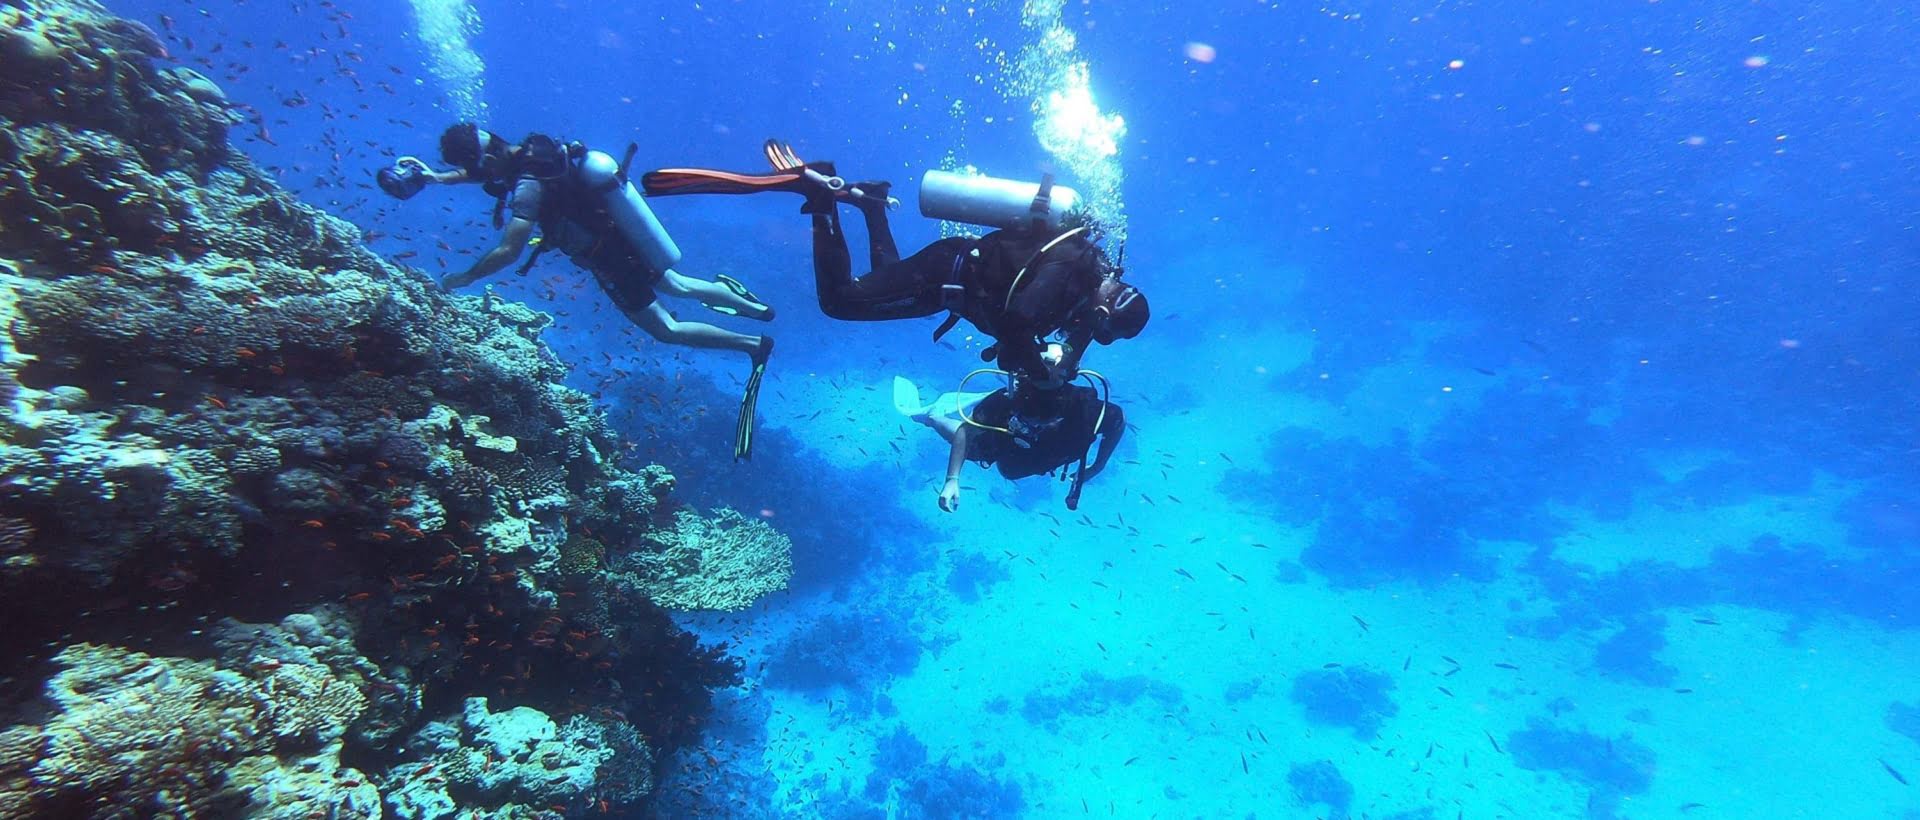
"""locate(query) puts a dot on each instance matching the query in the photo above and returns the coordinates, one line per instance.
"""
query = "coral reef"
(1353, 697)
(517, 762)
(972, 575)
(849, 647)
(218, 408)
(1633, 653)
(1612, 766)
(1320, 782)
(127, 731)
(1095, 694)
(725, 561)
(905, 780)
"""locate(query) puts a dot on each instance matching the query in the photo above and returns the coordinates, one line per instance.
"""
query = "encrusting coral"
(218, 408)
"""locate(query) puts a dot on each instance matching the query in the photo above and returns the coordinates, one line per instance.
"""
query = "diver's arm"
(512, 242)
(1020, 354)
(452, 177)
(1076, 345)
(1112, 426)
(956, 458)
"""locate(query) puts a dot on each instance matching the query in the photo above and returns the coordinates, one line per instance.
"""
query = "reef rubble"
(285, 529)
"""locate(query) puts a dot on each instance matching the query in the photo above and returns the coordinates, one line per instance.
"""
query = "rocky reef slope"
(284, 529)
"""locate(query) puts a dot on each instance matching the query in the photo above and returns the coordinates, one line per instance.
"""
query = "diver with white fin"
(583, 205)
(1026, 429)
(1039, 275)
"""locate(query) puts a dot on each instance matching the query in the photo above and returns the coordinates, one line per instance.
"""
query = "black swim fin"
(762, 311)
(749, 402)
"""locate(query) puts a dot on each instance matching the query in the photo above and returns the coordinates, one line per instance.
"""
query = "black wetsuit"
(913, 287)
(1051, 429)
(576, 224)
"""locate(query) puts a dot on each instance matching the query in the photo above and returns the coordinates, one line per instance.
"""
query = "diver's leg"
(872, 203)
(832, 264)
(637, 300)
(903, 289)
(658, 323)
(735, 300)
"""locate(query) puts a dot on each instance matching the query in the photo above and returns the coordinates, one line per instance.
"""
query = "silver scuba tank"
(990, 201)
(601, 173)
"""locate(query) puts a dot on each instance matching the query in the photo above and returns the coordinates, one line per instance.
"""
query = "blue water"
(1525, 428)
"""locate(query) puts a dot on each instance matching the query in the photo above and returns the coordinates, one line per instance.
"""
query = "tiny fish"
(1506, 666)
(1329, 666)
(1483, 371)
(1496, 743)
(1895, 772)
(1683, 691)
(1243, 763)
(1707, 621)
(1444, 691)
(1185, 574)
(1687, 807)
(1449, 660)
(1129, 762)
(1406, 663)
(1362, 623)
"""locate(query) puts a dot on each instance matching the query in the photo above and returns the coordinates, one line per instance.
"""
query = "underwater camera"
(406, 177)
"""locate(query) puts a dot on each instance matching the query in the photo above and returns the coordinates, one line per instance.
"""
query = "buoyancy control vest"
(992, 275)
(588, 209)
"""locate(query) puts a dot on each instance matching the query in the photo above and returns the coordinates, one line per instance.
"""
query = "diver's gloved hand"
(950, 496)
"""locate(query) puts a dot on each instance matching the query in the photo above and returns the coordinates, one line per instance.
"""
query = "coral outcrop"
(126, 732)
(725, 561)
(269, 501)
(517, 761)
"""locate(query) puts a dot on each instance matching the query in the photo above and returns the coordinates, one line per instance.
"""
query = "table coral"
(725, 562)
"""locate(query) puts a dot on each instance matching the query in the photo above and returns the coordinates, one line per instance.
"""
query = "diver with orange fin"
(1041, 273)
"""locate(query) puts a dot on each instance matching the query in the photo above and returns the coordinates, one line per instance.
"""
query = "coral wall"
(344, 526)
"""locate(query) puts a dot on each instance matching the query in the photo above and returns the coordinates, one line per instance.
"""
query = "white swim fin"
(906, 397)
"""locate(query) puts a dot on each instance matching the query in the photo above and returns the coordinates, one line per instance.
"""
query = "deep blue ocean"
(1526, 426)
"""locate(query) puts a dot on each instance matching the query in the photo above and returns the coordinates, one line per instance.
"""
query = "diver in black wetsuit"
(1017, 285)
(1027, 430)
(1031, 431)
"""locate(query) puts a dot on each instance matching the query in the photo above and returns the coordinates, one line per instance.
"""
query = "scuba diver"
(1026, 430)
(582, 204)
(1038, 275)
